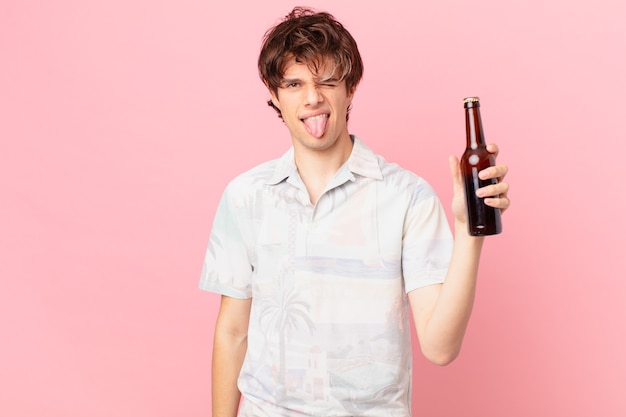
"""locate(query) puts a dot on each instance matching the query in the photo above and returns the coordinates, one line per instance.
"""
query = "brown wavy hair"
(314, 38)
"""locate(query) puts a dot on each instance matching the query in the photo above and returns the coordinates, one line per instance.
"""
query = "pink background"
(121, 121)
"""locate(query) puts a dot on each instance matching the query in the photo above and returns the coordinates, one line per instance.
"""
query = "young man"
(319, 254)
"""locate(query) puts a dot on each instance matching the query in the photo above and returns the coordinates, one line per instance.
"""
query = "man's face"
(313, 106)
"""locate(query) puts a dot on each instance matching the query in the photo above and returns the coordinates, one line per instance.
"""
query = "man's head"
(315, 39)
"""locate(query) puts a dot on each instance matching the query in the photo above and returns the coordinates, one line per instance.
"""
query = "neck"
(318, 167)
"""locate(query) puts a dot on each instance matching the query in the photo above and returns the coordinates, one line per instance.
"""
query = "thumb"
(455, 172)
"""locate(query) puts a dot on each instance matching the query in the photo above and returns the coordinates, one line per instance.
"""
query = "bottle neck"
(473, 126)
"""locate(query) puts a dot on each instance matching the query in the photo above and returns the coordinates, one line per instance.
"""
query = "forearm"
(446, 325)
(442, 312)
(228, 353)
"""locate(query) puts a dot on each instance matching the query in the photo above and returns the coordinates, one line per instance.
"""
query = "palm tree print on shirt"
(281, 316)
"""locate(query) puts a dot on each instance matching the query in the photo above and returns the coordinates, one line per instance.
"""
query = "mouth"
(316, 125)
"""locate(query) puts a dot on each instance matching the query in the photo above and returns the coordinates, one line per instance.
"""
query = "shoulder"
(395, 180)
(249, 183)
(399, 179)
(259, 174)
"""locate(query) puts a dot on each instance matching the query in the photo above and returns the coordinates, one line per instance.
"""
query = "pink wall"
(121, 122)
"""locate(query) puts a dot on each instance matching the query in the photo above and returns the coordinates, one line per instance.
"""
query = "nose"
(312, 95)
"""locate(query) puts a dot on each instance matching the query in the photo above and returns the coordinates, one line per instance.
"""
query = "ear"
(351, 94)
(275, 101)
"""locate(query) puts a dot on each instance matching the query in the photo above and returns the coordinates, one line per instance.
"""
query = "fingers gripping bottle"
(482, 220)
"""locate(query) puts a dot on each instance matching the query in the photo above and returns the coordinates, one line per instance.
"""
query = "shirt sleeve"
(227, 269)
(427, 240)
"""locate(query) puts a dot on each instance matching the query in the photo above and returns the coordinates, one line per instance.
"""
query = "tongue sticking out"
(316, 126)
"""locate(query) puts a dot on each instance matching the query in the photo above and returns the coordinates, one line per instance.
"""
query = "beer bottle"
(482, 220)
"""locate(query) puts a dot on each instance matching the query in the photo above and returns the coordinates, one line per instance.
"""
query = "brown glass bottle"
(482, 220)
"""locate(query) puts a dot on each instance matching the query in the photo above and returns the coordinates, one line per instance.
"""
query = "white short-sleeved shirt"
(329, 327)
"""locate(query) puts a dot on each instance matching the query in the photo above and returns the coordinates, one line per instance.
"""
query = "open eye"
(291, 83)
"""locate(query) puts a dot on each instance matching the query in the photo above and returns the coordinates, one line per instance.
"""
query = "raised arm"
(442, 312)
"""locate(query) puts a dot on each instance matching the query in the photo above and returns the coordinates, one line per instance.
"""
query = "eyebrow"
(331, 79)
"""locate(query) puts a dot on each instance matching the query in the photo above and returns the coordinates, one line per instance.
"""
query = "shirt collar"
(362, 161)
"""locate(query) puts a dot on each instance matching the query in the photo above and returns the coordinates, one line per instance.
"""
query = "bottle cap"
(471, 102)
